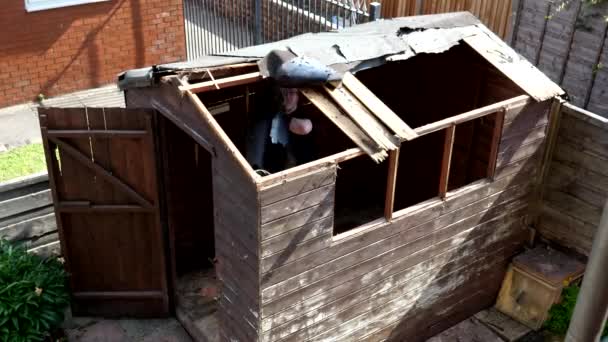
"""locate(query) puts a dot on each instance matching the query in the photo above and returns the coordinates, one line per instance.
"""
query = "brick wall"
(60, 50)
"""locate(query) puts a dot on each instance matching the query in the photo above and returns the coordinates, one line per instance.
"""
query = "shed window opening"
(360, 193)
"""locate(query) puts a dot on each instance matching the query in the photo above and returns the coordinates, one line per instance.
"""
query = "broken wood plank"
(473, 114)
(378, 108)
(345, 124)
(327, 162)
(221, 83)
(362, 117)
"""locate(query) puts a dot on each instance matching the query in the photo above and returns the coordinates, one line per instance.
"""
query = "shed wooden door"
(102, 171)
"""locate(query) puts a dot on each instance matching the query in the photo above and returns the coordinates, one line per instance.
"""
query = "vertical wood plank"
(390, 183)
(496, 136)
(448, 147)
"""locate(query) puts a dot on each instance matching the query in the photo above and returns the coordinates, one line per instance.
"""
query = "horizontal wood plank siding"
(429, 261)
(576, 187)
(26, 214)
(236, 214)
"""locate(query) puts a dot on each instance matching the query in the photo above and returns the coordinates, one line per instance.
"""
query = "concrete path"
(19, 124)
(126, 330)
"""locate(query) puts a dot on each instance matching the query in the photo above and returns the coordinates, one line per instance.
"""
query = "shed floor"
(196, 304)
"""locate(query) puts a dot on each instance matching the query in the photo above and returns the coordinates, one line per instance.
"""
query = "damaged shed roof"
(391, 40)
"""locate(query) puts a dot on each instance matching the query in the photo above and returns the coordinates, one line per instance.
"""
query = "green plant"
(22, 161)
(561, 313)
(33, 294)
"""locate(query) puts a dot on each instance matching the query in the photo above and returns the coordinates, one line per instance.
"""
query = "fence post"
(375, 11)
(257, 22)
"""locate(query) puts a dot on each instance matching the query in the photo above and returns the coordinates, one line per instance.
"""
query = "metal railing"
(215, 26)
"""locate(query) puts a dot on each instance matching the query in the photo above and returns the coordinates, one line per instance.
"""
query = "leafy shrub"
(561, 313)
(33, 294)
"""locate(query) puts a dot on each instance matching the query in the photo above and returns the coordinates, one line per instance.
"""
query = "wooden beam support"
(472, 115)
(221, 83)
(496, 136)
(99, 170)
(309, 167)
(96, 133)
(217, 129)
(448, 147)
(389, 202)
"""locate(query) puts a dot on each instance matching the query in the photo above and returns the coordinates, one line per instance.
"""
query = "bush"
(561, 313)
(33, 295)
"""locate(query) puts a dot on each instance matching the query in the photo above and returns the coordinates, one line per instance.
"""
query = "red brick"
(52, 52)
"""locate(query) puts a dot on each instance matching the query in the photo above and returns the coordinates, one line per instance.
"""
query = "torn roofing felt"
(372, 44)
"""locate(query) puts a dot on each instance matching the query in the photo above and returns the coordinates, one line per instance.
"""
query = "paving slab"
(125, 330)
(467, 331)
(503, 325)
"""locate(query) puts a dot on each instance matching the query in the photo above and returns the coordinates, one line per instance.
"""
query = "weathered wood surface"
(371, 283)
(108, 171)
(576, 187)
(26, 214)
(236, 208)
(236, 223)
(570, 47)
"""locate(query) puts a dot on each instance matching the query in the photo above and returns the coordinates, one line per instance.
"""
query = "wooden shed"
(426, 168)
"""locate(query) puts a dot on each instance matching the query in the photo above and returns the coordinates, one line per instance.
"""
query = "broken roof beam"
(361, 116)
(378, 108)
(474, 114)
(221, 83)
(345, 124)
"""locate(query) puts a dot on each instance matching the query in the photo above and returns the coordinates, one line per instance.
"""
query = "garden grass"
(21, 161)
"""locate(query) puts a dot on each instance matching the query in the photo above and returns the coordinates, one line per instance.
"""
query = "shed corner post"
(550, 142)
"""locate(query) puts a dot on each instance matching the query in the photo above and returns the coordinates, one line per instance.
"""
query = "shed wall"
(435, 264)
(577, 184)
(236, 214)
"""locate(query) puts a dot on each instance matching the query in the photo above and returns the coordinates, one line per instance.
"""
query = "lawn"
(21, 161)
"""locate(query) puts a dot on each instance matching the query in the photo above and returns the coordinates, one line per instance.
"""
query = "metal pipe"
(591, 310)
(257, 22)
(375, 11)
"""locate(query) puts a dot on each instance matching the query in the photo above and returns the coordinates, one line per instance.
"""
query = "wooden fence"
(496, 14)
(569, 45)
(577, 184)
(26, 214)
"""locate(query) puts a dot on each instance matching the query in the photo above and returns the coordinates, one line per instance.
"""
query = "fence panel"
(570, 44)
(216, 26)
(496, 14)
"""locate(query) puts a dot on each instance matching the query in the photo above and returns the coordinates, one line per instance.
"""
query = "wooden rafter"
(102, 172)
(345, 124)
(362, 117)
(221, 83)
